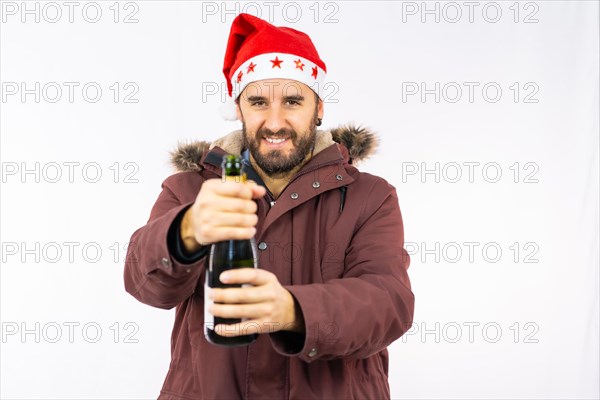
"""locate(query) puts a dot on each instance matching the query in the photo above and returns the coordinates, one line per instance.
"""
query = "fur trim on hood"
(360, 142)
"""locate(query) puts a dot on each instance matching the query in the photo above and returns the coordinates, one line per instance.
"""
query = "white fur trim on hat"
(279, 65)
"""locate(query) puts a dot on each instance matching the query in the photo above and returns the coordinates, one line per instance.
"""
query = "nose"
(275, 118)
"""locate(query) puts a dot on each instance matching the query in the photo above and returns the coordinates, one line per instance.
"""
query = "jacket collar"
(355, 144)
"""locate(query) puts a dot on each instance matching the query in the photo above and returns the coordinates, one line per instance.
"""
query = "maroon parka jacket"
(334, 238)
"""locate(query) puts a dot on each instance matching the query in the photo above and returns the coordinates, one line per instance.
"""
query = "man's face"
(279, 117)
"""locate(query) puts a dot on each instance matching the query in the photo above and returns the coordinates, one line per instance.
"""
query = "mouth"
(275, 142)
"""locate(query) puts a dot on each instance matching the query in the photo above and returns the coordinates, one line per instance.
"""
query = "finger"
(258, 191)
(253, 276)
(237, 311)
(243, 295)
(232, 189)
(249, 327)
(232, 219)
(229, 204)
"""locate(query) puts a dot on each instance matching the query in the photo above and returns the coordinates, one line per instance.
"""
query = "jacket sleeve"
(369, 307)
(157, 271)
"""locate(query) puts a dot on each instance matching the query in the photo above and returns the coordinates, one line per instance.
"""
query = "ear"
(238, 111)
(320, 108)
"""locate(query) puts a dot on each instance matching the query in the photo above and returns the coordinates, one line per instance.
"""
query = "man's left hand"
(266, 306)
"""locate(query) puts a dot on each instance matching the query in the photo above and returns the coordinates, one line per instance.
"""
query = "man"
(332, 291)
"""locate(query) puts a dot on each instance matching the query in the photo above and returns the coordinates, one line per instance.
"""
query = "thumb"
(257, 190)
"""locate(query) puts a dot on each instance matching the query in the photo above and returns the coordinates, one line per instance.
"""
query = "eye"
(258, 103)
(292, 102)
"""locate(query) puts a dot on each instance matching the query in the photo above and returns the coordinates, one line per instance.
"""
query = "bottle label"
(209, 321)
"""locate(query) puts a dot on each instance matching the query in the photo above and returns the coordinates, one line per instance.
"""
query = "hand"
(222, 211)
(267, 306)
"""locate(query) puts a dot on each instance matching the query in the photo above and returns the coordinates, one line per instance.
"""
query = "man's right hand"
(222, 211)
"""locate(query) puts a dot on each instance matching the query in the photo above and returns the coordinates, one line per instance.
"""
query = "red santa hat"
(257, 50)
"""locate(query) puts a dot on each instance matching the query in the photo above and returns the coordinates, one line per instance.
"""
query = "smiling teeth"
(275, 140)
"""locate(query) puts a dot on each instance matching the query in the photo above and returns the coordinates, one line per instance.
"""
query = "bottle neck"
(234, 178)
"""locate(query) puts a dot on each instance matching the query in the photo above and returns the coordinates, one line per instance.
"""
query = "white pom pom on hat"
(228, 110)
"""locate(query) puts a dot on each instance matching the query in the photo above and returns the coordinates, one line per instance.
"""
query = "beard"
(278, 162)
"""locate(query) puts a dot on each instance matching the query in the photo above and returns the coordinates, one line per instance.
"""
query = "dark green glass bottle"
(226, 255)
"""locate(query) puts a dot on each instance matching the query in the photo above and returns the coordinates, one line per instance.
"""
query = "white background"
(522, 323)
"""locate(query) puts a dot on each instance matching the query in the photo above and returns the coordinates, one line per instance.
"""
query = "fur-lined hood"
(360, 142)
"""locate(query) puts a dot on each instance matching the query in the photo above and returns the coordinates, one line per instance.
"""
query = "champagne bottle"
(226, 255)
